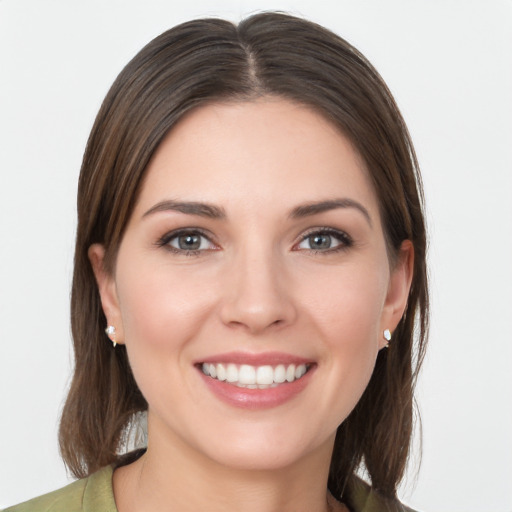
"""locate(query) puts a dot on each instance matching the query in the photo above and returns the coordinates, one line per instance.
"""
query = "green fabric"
(95, 494)
(92, 494)
(360, 497)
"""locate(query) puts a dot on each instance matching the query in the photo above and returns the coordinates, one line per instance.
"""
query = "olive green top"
(91, 494)
(95, 494)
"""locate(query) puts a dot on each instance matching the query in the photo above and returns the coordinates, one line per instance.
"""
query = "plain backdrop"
(449, 65)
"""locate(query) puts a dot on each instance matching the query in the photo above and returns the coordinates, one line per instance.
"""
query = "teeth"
(246, 374)
(221, 372)
(254, 377)
(280, 374)
(290, 373)
(299, 371)
(264, 375)
(231, 373)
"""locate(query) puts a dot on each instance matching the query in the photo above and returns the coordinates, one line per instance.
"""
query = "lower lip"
(246, 398)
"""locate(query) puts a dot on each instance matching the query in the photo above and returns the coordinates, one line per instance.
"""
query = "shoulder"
(362, 498)
(86, 495)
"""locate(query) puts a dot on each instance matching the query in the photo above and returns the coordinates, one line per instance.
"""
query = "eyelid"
(343, 237)
(164, 241)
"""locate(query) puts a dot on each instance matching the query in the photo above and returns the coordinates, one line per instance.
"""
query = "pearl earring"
(110, 331)
(387, 336)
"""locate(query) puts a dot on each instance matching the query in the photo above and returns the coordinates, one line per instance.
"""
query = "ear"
(107, 289)
(398, 290)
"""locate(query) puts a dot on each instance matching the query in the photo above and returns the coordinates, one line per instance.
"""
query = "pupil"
(320, 241)
(189, 242)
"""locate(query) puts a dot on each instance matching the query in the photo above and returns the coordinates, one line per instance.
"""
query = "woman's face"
(252, 285)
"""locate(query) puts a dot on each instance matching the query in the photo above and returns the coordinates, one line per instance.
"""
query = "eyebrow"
(215, 212)
(324, 206)
(188, 207)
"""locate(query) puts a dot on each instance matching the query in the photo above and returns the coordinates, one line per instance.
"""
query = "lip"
(255, 359)
(254, 399)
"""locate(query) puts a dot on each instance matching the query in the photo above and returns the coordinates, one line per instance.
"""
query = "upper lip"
(255, 359)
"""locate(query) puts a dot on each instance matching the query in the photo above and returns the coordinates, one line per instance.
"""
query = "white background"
(449, 65)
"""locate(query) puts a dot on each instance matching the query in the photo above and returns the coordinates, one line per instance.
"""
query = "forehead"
(270, 151)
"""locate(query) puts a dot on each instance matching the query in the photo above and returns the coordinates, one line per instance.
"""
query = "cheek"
(162, 310)
(348, 305)
(348, 319)
(159, 307)
(160, 316)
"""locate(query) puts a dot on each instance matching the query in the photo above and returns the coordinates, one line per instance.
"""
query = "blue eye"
(187, 242)
(325, 241)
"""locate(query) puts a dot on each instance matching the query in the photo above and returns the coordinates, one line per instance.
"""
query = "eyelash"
(168, 237)
(345, 241)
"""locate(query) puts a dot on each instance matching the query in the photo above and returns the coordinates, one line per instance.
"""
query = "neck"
(173, 476)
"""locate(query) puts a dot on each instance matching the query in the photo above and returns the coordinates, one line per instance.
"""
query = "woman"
(251, 240)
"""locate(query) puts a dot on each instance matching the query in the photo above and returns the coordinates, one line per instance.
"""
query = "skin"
(254, 286)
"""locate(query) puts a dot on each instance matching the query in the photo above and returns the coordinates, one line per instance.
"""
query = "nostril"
(257, 303)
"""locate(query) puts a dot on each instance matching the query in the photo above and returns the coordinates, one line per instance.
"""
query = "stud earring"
(387, 336)
(110, 331)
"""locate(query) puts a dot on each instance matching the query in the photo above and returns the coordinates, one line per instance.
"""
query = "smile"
(255, 377)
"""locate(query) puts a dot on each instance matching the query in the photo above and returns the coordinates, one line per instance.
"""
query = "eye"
(187, 241)
(325, 240)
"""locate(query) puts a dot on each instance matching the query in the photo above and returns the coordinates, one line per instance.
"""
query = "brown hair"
(209, 60)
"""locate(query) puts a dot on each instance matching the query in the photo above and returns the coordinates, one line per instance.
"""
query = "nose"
(257, 294)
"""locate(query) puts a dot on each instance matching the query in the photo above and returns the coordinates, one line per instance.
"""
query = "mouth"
(255, 377)
(256, 381)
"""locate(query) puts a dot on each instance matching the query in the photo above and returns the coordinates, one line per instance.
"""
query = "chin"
(260, 449)
(251, 458)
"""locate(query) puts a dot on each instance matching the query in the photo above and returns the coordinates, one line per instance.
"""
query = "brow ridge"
(188, 207)
(215, 212)
(318, 207)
